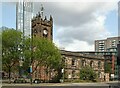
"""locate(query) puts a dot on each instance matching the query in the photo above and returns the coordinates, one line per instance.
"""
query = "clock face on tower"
(45, 32)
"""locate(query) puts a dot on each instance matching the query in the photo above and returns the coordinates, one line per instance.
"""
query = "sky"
(76, 24)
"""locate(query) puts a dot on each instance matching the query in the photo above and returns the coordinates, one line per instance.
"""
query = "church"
(74, 61)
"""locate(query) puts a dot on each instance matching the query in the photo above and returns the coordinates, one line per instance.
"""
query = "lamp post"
(31, 58)
(30, 74)
(21, 64)
(63, 74)
(20, 60)
(63, 69)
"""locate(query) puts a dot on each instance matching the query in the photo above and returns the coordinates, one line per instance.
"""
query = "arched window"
(99, 64)
(35, 31)
(73, 61)
(73, 73)
(91, 64)
(99, 74)
(83, 63)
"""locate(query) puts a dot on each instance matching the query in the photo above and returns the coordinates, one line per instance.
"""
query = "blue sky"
(112, 23)
(9, 15)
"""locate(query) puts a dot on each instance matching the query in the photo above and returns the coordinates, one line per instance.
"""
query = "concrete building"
(108, 48)
(109, 44)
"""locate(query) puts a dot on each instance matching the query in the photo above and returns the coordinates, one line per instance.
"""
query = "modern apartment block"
(109, 44)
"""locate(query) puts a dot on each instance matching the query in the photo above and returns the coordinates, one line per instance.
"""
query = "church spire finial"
(39, 14)
(51, 19)
(42, 8)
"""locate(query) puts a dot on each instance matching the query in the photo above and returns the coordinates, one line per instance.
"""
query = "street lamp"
(63, 69)
(31, 58)
(62, 74)
(30, 74)
(20, 60)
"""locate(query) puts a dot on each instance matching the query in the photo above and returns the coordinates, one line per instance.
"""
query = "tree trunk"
(49, 74)
(40, 72)
(9, 74)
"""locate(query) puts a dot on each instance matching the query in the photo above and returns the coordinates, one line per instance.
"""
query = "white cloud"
(79, 46)
(77, 25)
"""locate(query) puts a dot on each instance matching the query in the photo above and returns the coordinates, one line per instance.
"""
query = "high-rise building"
(109, 44)
(24, 14)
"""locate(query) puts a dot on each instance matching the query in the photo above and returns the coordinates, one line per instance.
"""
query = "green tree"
(10, 55)
(42, 51)
(108, 67)
(36, 49)
(87, 73)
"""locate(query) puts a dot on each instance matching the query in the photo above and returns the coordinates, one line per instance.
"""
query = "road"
(63, 85)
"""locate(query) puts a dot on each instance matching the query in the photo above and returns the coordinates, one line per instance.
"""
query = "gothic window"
(73, 73)
(99, 74)
(99, 64)
(35, 31)
(91, 64)
(73, 61)
(83, 63)
(64, 60)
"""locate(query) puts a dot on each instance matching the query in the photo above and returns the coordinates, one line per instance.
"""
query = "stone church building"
(43, 27)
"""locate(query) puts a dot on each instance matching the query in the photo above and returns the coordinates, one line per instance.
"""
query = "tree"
(35, 49)
(42, 51)
(10, 55)
(87, 73)
(108, 67)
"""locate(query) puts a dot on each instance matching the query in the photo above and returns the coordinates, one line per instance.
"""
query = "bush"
(87, 73)
(20, 80)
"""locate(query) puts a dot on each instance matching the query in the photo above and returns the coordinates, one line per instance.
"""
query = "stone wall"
(75, 61)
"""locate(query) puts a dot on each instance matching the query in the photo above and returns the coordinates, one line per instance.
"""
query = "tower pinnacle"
(42, 9)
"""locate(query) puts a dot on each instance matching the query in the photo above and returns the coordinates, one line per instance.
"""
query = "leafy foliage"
(87, 73)
(36, 49)
(43, 51)
(108, 67)
(10, 55)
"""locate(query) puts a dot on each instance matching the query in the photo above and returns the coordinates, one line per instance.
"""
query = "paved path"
(57, 85)
(61, 85)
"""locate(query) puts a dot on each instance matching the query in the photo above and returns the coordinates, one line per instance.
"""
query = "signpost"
(30, 70)
(63, 74)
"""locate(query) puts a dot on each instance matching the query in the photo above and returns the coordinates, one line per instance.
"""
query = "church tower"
(41, 26)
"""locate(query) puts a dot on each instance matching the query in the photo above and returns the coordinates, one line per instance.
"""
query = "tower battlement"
(42, 20)
(41, 26)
